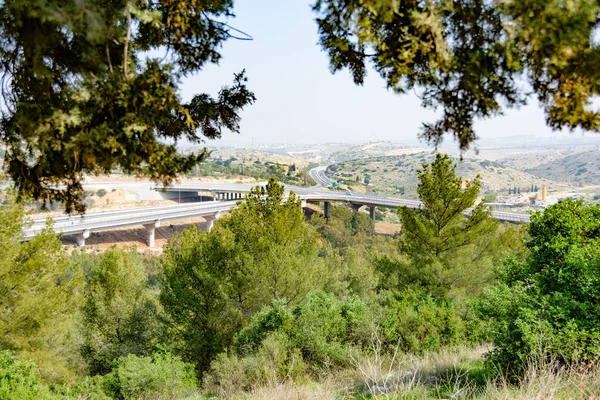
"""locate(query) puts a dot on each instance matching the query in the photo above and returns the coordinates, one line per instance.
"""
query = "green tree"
(448, 251)
(548, 305)
(362, 224)
(470, 57)
(103, 97)
(121, 314)
(40, 293)
(215, 282)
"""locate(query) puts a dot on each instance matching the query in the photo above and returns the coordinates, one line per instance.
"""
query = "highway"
(151, 217)
(139, 216)
(319, 176)
(326, 195)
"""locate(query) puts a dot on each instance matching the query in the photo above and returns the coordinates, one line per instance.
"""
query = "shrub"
(417, 322)
(101, 192)
(158, 376)
(549, 305)
(283, 342)
(20, 379)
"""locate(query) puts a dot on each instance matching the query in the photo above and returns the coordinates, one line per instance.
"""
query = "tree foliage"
(448, 251)
(547, 305)
(40, 291)
(470, 57)
(84, 91)
(215, 282)
(121, 315)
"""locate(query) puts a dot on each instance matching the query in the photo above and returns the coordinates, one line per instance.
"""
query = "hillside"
(394, 174)
(370, 150)
(581, 168)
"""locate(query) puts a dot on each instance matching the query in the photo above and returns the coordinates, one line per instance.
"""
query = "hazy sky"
(300, 101)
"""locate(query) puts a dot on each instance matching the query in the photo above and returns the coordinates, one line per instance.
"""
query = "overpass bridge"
(225, 197)
(315, 194)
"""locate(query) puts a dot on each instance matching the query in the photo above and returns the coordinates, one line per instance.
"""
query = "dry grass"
(447, 374)
(291, 391)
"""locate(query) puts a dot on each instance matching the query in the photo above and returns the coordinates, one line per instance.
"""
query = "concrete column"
(326, 206)
(208, 225)
(80, 237)
(303, 203)
(210, 221)
(355, 207)
(151, 232)
(372, 212)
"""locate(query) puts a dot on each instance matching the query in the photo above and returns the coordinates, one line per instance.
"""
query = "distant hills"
(581, 168)
(397, 173)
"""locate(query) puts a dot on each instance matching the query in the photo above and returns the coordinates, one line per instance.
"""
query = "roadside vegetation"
(270, 305)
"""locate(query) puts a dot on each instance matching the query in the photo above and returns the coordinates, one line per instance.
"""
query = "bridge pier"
(303, 204)
(355, 207)
(80, 237)
(326, 209)
(151, 232)
(210, 221)
(372, 212)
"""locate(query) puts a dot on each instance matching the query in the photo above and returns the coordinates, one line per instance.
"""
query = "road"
(319, 176)
(139, 216)
(320, 194)
(153, 215)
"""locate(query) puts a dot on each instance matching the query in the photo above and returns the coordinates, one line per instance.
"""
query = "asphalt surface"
(148, 215)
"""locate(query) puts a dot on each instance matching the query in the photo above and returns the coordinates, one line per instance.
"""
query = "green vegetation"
(268, 302)
(546, 307)
(102, 101)
(470, 58)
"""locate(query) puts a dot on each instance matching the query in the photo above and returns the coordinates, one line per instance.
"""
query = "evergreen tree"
(469, 57)
(215, 282)
(448, 251)
(40, 294)
(84, 90)
(121, 314)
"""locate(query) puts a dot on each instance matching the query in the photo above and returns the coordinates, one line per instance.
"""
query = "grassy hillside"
(581, 168)
(392, 174)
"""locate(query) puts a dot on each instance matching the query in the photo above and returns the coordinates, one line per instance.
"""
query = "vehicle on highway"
(348, 192)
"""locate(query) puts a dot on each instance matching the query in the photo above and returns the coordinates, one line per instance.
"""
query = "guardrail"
(142, 216)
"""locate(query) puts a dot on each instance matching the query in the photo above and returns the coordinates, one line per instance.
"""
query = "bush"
(20, 379)
(549, 305)
(101, 192)
(283, 342)
(159, 376)
(417, 322)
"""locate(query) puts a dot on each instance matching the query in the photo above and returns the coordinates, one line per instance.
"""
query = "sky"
(300, 101)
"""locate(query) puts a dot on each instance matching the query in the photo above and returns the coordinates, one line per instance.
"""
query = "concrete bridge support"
(326, 209)
(303, 204)
(80, 237)
(210, 222)
(151, 232)
(355, 207)
(372, 212)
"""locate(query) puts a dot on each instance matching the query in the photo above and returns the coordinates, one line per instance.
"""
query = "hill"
(580, 168)
(374, 149)
(397, 174)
